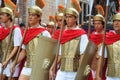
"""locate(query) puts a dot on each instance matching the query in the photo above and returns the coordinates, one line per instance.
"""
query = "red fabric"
(21, 65)
(104, 70)
(111, 37)
(68, 35)
(118, 10)
(96, 38)
(31, 33)
(90, 76)
(56, 34)
(5, 32)
(103, 73)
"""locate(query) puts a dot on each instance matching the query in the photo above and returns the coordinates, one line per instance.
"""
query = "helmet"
(51, 24)
(72, 11)
(36, 10)
(59, 15)
(6, 10)
(116, 16)
(99, 17)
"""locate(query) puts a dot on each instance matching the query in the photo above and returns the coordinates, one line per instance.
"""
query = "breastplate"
(70, 55)
(114, 59)
(5, 44)
(30, 48)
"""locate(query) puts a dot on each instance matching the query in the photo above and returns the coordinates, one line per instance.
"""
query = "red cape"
(68, 35)
(32, 33)
(5, 32)
(111, 37)
(56, 34)
(96, 38)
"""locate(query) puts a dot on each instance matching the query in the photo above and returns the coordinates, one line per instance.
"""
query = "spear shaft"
(104, 37)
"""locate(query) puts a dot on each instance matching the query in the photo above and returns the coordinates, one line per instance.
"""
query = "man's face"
(98, 26)
(116, 25)
(50, 29)
(59, 22)
(4, 17)
(70, 20)
(33, 18)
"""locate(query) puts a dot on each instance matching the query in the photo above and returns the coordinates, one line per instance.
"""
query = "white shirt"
(100, 52)
(18, 37)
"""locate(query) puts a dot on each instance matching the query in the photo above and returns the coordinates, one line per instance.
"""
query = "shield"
(84, 66)
(45, 54)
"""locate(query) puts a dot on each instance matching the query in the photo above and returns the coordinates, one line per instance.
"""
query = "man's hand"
(12, 67)
(4, 65)
(98, 78)
(51, 74)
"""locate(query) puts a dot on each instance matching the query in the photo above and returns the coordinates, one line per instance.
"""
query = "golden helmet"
(72, 11)
(51, 24)
(36, 10)
(116, 16)
(6, 10)
(99, 17)
(59, 15)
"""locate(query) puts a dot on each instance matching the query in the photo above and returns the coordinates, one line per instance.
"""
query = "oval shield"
(45, 54)
(84, 66)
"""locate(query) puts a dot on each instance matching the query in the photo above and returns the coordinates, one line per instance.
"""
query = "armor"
(70, 55)
(4, 43)
(114, 59)
(84, 66)
(59, 15)
(30, 48)
(72, 11)
(116, 16)
(45, 53)
(6, 10)
(99, 17)
(36, 10)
